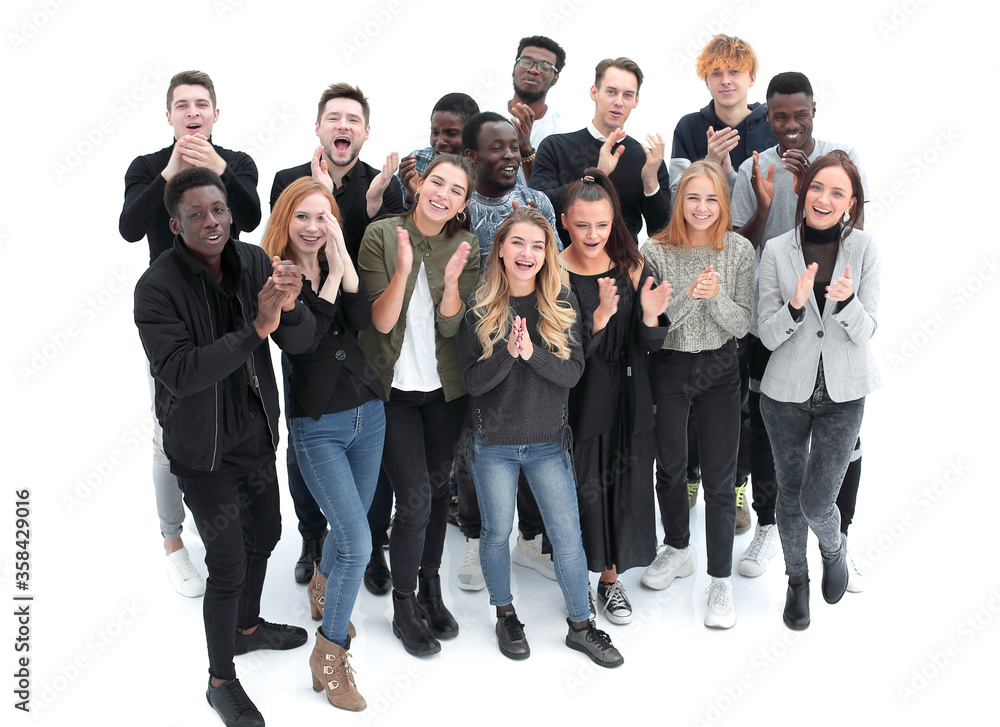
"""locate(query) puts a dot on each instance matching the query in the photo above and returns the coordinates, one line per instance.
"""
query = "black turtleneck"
(820, 246)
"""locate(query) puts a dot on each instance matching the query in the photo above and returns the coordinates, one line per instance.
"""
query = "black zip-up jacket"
(176, 311)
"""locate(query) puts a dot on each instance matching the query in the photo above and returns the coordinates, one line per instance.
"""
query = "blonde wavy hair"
(492, 299)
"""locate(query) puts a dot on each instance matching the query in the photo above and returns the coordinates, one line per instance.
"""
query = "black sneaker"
(594, 643)
(614, 602)
(270, 636)
(510, 637)
(233, 705)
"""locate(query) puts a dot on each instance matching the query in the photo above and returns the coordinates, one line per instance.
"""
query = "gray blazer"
(842, 339)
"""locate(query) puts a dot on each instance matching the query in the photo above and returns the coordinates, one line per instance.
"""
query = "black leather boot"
(312, 550)
(835, 573)
(409, 626)
(439, 618)
(377, 578)
(796, 615)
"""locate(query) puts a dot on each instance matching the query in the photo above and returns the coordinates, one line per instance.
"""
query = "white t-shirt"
(416, 367)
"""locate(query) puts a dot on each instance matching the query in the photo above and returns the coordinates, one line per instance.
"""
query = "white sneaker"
(762, 548)
(670, 563)
(721, 614)
(855, 579)
(183, 577)
(528, 553)
(470, 572)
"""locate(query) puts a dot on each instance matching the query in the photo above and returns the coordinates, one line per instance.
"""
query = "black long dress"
(613, 456)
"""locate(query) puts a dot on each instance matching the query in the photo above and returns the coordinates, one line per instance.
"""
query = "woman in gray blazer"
(818, 306)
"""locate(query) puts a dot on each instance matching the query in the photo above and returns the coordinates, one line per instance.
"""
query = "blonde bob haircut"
(492, 299)
(275, 241)
(676, 234)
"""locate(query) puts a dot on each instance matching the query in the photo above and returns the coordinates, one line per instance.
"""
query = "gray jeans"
(812, 442)
(169, 500)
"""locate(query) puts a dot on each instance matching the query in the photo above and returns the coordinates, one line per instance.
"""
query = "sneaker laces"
(718, 595)
(470, 557)
(513, 628)
(665, 556)
(234, 694)
(852, 565)
(184, 569)
(693, 487)
(614, 598)
(757, 546)
(599, 638)
(740, 493)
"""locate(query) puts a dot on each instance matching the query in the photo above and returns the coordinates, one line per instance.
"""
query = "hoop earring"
(416, 196)
(461, 216)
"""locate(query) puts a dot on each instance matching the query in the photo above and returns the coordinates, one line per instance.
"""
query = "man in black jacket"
(204, 311)
(362, 193)
(192, 112)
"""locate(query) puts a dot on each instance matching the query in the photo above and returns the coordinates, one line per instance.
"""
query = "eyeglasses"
(544, 67)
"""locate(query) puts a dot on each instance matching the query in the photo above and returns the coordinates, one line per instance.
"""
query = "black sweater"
(145, 214)
(562, 159)
(516, 401)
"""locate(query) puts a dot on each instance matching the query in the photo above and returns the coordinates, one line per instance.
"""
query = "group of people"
(479, 316)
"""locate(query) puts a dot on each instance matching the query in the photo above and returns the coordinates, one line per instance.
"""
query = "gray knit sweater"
(705, 324)
(516, 401)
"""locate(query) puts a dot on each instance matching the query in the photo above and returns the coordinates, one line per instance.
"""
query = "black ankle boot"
(409, 626)
(312, 550)
(439, 618)
(835, 573)
(796, 615)
(377, 578)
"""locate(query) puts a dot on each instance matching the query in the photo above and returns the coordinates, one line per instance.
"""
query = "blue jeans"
(813, 442)
(339, 457)
(549, 471)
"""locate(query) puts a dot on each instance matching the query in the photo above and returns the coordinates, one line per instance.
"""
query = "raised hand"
(318, 169)
(404, 252)
(525, 347)
(514, 340)
(705, 285)
(654, 150)
(408, 175)
(763, 186)
(654, 301)
(607, 161)
(456, 263)
(607, 290)
(804, 286)
(524, 119)
(287, 278)
(176, 163)
(842, 288)
(795, 161)
(199, 152)
(379, 184)
(269, 302)
(720, 143)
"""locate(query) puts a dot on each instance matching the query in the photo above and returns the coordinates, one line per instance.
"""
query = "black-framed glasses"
(544, 67)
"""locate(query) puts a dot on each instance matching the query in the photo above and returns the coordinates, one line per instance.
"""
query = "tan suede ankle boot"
(317, 597)
(332, 672)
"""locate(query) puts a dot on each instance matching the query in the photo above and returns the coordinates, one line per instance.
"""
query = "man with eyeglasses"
(536, 70)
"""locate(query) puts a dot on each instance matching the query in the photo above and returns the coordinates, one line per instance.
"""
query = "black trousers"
(240, 523)
(421, 434)
(710, 381)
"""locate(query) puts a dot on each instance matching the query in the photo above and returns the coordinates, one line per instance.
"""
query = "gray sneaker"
(594, 643)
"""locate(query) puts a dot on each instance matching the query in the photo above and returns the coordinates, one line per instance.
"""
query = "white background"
(909, 84)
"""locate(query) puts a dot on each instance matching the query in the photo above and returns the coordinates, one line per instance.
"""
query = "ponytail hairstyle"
(275, 240)
(835, 158)
(454, 225)
(492, 298)
(594, 187)
(675, 234)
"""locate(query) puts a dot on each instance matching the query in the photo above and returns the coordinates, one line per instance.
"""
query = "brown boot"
(331, 671)
(317, 596)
